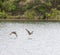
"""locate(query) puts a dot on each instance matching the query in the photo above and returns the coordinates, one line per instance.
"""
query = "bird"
(29, 32)
(13, 33)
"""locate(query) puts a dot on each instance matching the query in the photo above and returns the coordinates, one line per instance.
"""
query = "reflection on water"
(45, 39)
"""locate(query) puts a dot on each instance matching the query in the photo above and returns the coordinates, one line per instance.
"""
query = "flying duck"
(29, 32)
(13, 33)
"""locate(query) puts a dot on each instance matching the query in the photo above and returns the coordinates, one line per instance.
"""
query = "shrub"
(54, 14)
(48, 15)
(30, 14)
(41, 9)
(3, 15)
(48, 4)
(10, 6)
(26, 7)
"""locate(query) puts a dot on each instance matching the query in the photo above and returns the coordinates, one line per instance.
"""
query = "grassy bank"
(27, 20)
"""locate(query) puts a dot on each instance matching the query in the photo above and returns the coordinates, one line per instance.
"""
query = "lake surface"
(45, 39)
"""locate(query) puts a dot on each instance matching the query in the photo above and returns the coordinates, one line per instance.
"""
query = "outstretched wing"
(27, 31)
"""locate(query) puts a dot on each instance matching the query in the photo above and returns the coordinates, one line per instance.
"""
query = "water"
(45, 39)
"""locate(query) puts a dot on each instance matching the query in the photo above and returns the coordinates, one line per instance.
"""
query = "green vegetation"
(30, 14)
(30, 9)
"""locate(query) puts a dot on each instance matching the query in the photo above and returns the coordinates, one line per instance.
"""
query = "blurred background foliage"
(31, 9)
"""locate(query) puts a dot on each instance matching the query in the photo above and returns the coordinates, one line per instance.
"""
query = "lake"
(45, 39)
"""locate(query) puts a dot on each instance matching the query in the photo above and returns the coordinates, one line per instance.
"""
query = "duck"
(29, 33)
(13, 33)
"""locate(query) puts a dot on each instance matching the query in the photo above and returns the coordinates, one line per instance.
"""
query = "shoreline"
(22, 20)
